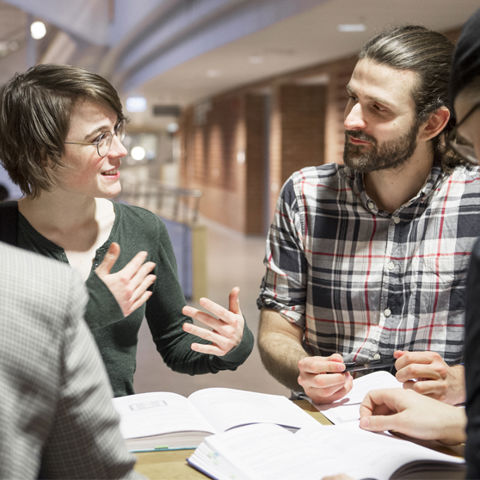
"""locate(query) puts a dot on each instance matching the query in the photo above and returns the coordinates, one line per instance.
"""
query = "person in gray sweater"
(56, 412)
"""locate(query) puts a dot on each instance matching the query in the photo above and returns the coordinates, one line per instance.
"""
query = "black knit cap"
(466, 57)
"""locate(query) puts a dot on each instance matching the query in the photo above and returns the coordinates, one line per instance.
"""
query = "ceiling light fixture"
(351, 27)
(138, 153)
(136, 104)
(38, 30)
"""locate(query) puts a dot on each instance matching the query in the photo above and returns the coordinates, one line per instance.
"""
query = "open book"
(164, 420)
(269, 452)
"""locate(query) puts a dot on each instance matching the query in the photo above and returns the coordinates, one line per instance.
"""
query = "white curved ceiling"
(182, 51)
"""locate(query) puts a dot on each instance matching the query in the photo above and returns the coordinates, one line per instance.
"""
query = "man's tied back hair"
(35, 109)
(425, 52)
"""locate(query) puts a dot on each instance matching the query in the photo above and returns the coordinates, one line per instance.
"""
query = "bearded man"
(367, 261)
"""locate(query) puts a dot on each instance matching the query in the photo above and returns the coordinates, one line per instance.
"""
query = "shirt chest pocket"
(442, 271)
(436, 284)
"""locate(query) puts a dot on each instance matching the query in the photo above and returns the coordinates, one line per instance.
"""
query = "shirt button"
(387, 312)
(396, 219)
(390, 265)
(370, 204)
(376, 356)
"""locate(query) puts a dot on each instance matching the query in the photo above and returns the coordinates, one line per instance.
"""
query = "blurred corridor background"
(226, 98)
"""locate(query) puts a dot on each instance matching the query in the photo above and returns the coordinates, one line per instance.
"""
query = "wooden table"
(172, 465)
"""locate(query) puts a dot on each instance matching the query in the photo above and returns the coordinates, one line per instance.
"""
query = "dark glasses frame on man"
(104, 141)
(458, 144)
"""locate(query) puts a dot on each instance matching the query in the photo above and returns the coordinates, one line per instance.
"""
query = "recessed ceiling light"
(38, 30)
(138, 153)
(351, 27)
(136, 104)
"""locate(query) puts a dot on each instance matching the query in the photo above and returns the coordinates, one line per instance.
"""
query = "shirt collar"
(435, 177)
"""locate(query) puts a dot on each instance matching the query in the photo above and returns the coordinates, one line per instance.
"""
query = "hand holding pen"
(370, 366)
(327, 379)
(324, 379)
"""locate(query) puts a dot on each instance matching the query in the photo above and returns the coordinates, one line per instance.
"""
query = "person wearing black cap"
(3, 192)
(405, 411)
(465, 139)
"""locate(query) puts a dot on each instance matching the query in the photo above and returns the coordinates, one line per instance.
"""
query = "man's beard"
(368, 158)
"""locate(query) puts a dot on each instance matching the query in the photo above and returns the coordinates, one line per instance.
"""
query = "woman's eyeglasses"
(104, 141)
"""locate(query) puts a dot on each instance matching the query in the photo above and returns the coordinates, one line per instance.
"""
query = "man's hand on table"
(428, 374)
(412, 414)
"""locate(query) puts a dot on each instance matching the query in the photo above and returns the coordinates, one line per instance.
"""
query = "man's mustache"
(360, 136)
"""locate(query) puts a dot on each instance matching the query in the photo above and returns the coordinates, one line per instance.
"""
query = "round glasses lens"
(120, 131)
(104, 144)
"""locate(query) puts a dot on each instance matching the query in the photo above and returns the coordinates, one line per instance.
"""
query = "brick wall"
(297, 137)
(228, 151)
(224, 151)
(255, 157)
(212, 134)
(339, 74)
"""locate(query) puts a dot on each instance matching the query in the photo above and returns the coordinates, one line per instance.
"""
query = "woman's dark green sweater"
(136, 229)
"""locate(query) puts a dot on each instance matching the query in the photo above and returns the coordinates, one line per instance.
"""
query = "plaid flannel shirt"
(361, 281)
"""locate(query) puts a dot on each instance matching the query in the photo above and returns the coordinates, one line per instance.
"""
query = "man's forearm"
(279, 351)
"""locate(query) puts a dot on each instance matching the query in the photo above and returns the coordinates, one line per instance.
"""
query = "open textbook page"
(269, 452)
(257, 451)
(347, 408)
(380, 455)
(165, 420)
(226, 408)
